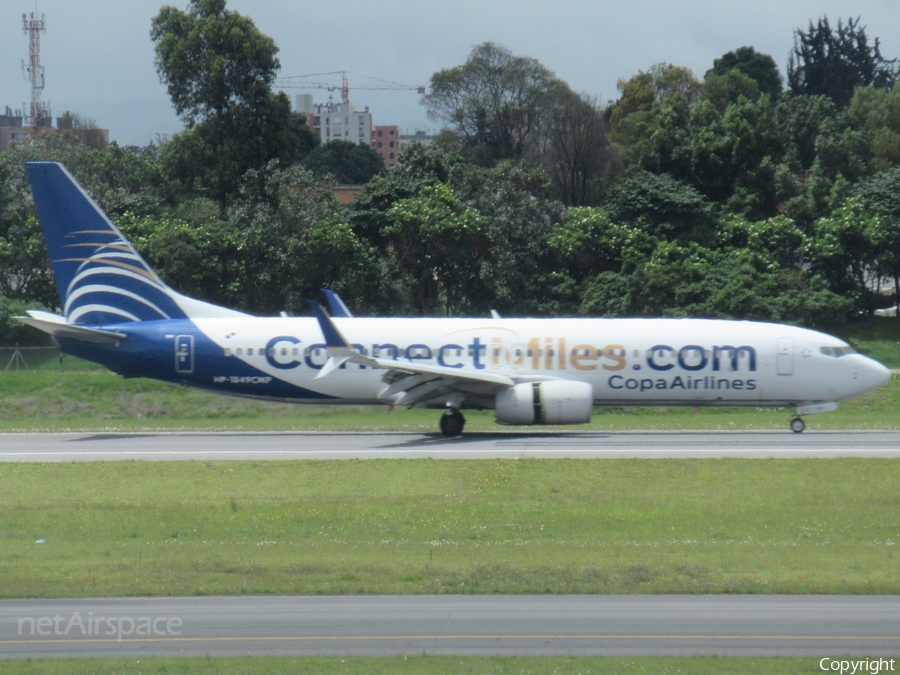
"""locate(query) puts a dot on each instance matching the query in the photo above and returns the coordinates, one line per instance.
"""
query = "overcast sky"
(99, 58)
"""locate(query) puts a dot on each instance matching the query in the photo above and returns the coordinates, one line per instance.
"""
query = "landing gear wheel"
(452, 423)
(797, 425)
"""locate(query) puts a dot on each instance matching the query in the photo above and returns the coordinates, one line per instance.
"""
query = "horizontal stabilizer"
(56, 326)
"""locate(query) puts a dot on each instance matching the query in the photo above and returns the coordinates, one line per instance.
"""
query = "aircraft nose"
(876, 374)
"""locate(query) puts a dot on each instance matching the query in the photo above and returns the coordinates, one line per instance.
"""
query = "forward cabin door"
(785, 356)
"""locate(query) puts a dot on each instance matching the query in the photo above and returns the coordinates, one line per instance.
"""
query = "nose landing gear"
(797, 425)
(452, 422)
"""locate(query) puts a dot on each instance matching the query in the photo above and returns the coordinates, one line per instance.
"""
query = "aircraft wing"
(407, 383)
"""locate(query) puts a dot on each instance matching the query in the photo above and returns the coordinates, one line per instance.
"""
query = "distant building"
(336, 121)
(12, 129)
(346, 193)
(89, 134)
(386, 142)
(419, 137)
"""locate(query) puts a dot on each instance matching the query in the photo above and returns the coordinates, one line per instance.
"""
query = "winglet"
(338, 349)
(332, 335)
(336, 304)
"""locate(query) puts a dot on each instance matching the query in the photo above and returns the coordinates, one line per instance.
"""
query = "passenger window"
(249, 351)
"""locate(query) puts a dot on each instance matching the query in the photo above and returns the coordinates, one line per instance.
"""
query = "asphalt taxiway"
(72, 447)
(819, 626)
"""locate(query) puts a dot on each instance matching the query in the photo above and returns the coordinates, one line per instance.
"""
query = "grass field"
(426, 526)
(417, 665)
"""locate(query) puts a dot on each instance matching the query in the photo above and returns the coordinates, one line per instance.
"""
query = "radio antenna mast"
(34, 25)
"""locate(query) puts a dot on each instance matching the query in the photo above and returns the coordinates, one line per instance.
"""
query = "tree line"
(739, 195)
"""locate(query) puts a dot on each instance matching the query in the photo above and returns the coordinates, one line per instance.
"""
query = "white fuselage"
(672, 362)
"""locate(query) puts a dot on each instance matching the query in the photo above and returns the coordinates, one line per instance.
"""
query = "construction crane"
(295, 82)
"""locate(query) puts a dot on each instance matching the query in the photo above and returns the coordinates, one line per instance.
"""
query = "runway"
(74, 447)
(386, 625)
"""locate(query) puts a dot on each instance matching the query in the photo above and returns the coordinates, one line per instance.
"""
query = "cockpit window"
(837, 352)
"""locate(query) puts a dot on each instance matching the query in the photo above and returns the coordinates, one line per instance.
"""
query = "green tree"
(587, 243)
(876, 113)
(662, 207)
(777, 239)
(438, 246)
(346, 162)
(644, 89)
(694, 280)
(288, 238)
(882, 194)
(519, 214)
(726, 89)
(843, 248)
(760, 68)
(833, 62)
(219, 69)
(418, 165)
(800, 121)
(307, 139)
(495, 101)
(576, 152)
(735, 155)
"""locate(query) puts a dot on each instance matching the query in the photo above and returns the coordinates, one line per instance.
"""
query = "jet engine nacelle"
(553, 402)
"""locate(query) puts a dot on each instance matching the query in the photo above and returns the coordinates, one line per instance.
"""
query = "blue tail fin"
(101, 279)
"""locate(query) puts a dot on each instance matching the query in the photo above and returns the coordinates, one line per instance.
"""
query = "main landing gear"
(797, 425)
(452, 422)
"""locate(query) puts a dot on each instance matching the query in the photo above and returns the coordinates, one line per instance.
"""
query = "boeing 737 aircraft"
(118, 313)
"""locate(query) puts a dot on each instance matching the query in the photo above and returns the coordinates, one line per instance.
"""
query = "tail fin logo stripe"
(124, 271)
(100, 309)
(99, 246)
(105, 259)
(98, 288)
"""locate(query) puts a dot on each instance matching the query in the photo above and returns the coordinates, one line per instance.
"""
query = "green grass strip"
(428, 526)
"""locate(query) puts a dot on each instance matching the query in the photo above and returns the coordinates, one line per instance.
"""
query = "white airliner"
(118, 313)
